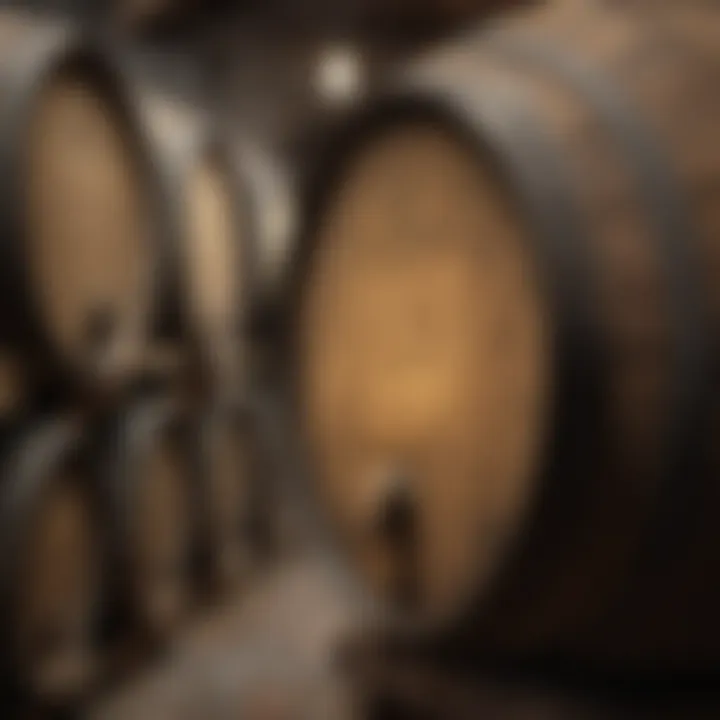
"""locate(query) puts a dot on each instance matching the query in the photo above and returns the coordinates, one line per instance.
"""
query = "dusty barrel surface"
(504, 318)
(50, 564)
(145, 472)
(76, 210)
(208, 261)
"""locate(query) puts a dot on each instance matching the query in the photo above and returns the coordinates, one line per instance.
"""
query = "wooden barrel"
(505, 318)
(145, 471)
(50, 582)
(227, 502)
(207, 249)
(75, 211)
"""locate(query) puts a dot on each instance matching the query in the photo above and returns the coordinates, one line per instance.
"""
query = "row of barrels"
(501, 333)
(127, 422)
(135, 200)
(111, 537)
(499, 330)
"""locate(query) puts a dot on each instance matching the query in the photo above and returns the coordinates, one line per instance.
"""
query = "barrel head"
(88, 245)
(424, 368)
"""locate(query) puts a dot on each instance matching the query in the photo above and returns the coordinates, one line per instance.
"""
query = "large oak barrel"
(76, 253)
(208, 236)
(505, 319)
(145, 472)
(50, 579)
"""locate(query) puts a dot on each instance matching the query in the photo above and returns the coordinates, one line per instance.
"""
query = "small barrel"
(145, 472)
(77, 207)
(504, 322)
(207, 261)
(227, 501)
(50, 566)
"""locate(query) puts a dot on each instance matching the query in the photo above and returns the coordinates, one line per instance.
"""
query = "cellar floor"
(265, 656)
(272, 655)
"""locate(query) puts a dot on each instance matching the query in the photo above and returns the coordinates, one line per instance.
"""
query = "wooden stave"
(222, 417)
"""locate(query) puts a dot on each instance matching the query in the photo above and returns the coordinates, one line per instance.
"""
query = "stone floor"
(267, 656)
(273, 655)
